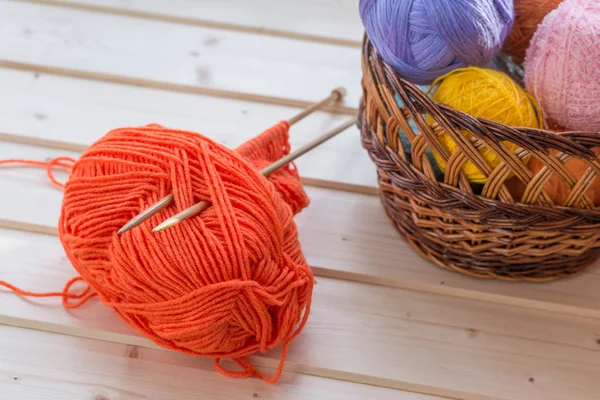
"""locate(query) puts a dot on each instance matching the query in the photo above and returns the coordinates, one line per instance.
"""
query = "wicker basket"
(478, 230)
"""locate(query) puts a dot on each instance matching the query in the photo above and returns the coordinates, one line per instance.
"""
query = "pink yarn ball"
(562, 65)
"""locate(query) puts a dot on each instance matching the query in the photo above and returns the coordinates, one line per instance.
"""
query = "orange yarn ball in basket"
(555, 187)
(558, 190)
(528, 15)
(227, 283)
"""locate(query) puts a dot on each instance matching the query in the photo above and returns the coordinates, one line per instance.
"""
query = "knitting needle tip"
(140, 218)
(182, 216)
(168, 223)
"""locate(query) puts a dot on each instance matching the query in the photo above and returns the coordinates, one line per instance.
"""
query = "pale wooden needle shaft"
(199, 207)
(335, 96)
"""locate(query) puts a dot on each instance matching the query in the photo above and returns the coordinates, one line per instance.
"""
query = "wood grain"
(82, 111)
(176, 54)
(48, 366)
(328, 21)
(364, 333)
(166, 86)
(382, 316)
(344, 235)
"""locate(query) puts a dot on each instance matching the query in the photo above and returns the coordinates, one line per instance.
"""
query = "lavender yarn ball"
(425, 39)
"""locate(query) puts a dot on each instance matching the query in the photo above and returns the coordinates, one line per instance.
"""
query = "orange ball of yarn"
(528, 15)
(558, 190)
(227, 283)
(555, 187)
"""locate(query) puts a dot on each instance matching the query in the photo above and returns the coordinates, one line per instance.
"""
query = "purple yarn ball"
(424, 39)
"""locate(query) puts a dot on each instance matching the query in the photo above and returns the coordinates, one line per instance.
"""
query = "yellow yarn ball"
(488, 94)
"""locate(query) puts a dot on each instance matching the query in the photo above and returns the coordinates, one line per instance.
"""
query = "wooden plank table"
(385, 324)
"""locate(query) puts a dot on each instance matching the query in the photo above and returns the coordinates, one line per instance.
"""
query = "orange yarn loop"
(225, 284)
(65, 163)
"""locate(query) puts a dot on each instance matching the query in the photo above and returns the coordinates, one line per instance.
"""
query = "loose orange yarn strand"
(65, 163)
(84, 296)
(201, 309)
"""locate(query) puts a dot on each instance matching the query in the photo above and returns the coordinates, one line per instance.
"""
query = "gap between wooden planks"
(81, 111)
(47, 365)
(177, 56)
(152, 84)
(344, 235)
(79, 148)
(364, 384)
(339, 25)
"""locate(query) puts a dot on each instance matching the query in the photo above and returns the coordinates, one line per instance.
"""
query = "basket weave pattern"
(481, 230)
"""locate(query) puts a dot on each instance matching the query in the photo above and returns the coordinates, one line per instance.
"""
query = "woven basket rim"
(576, 144)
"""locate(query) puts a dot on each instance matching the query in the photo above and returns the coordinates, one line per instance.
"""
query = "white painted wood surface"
(82, 111)
(414, 341)
(176, 54)
(335, 21)
(41, 365)
(383, 321)
(440, 334)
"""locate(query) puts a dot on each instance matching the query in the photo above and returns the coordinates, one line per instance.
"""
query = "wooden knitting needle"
(203, 205)
(335, 96)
